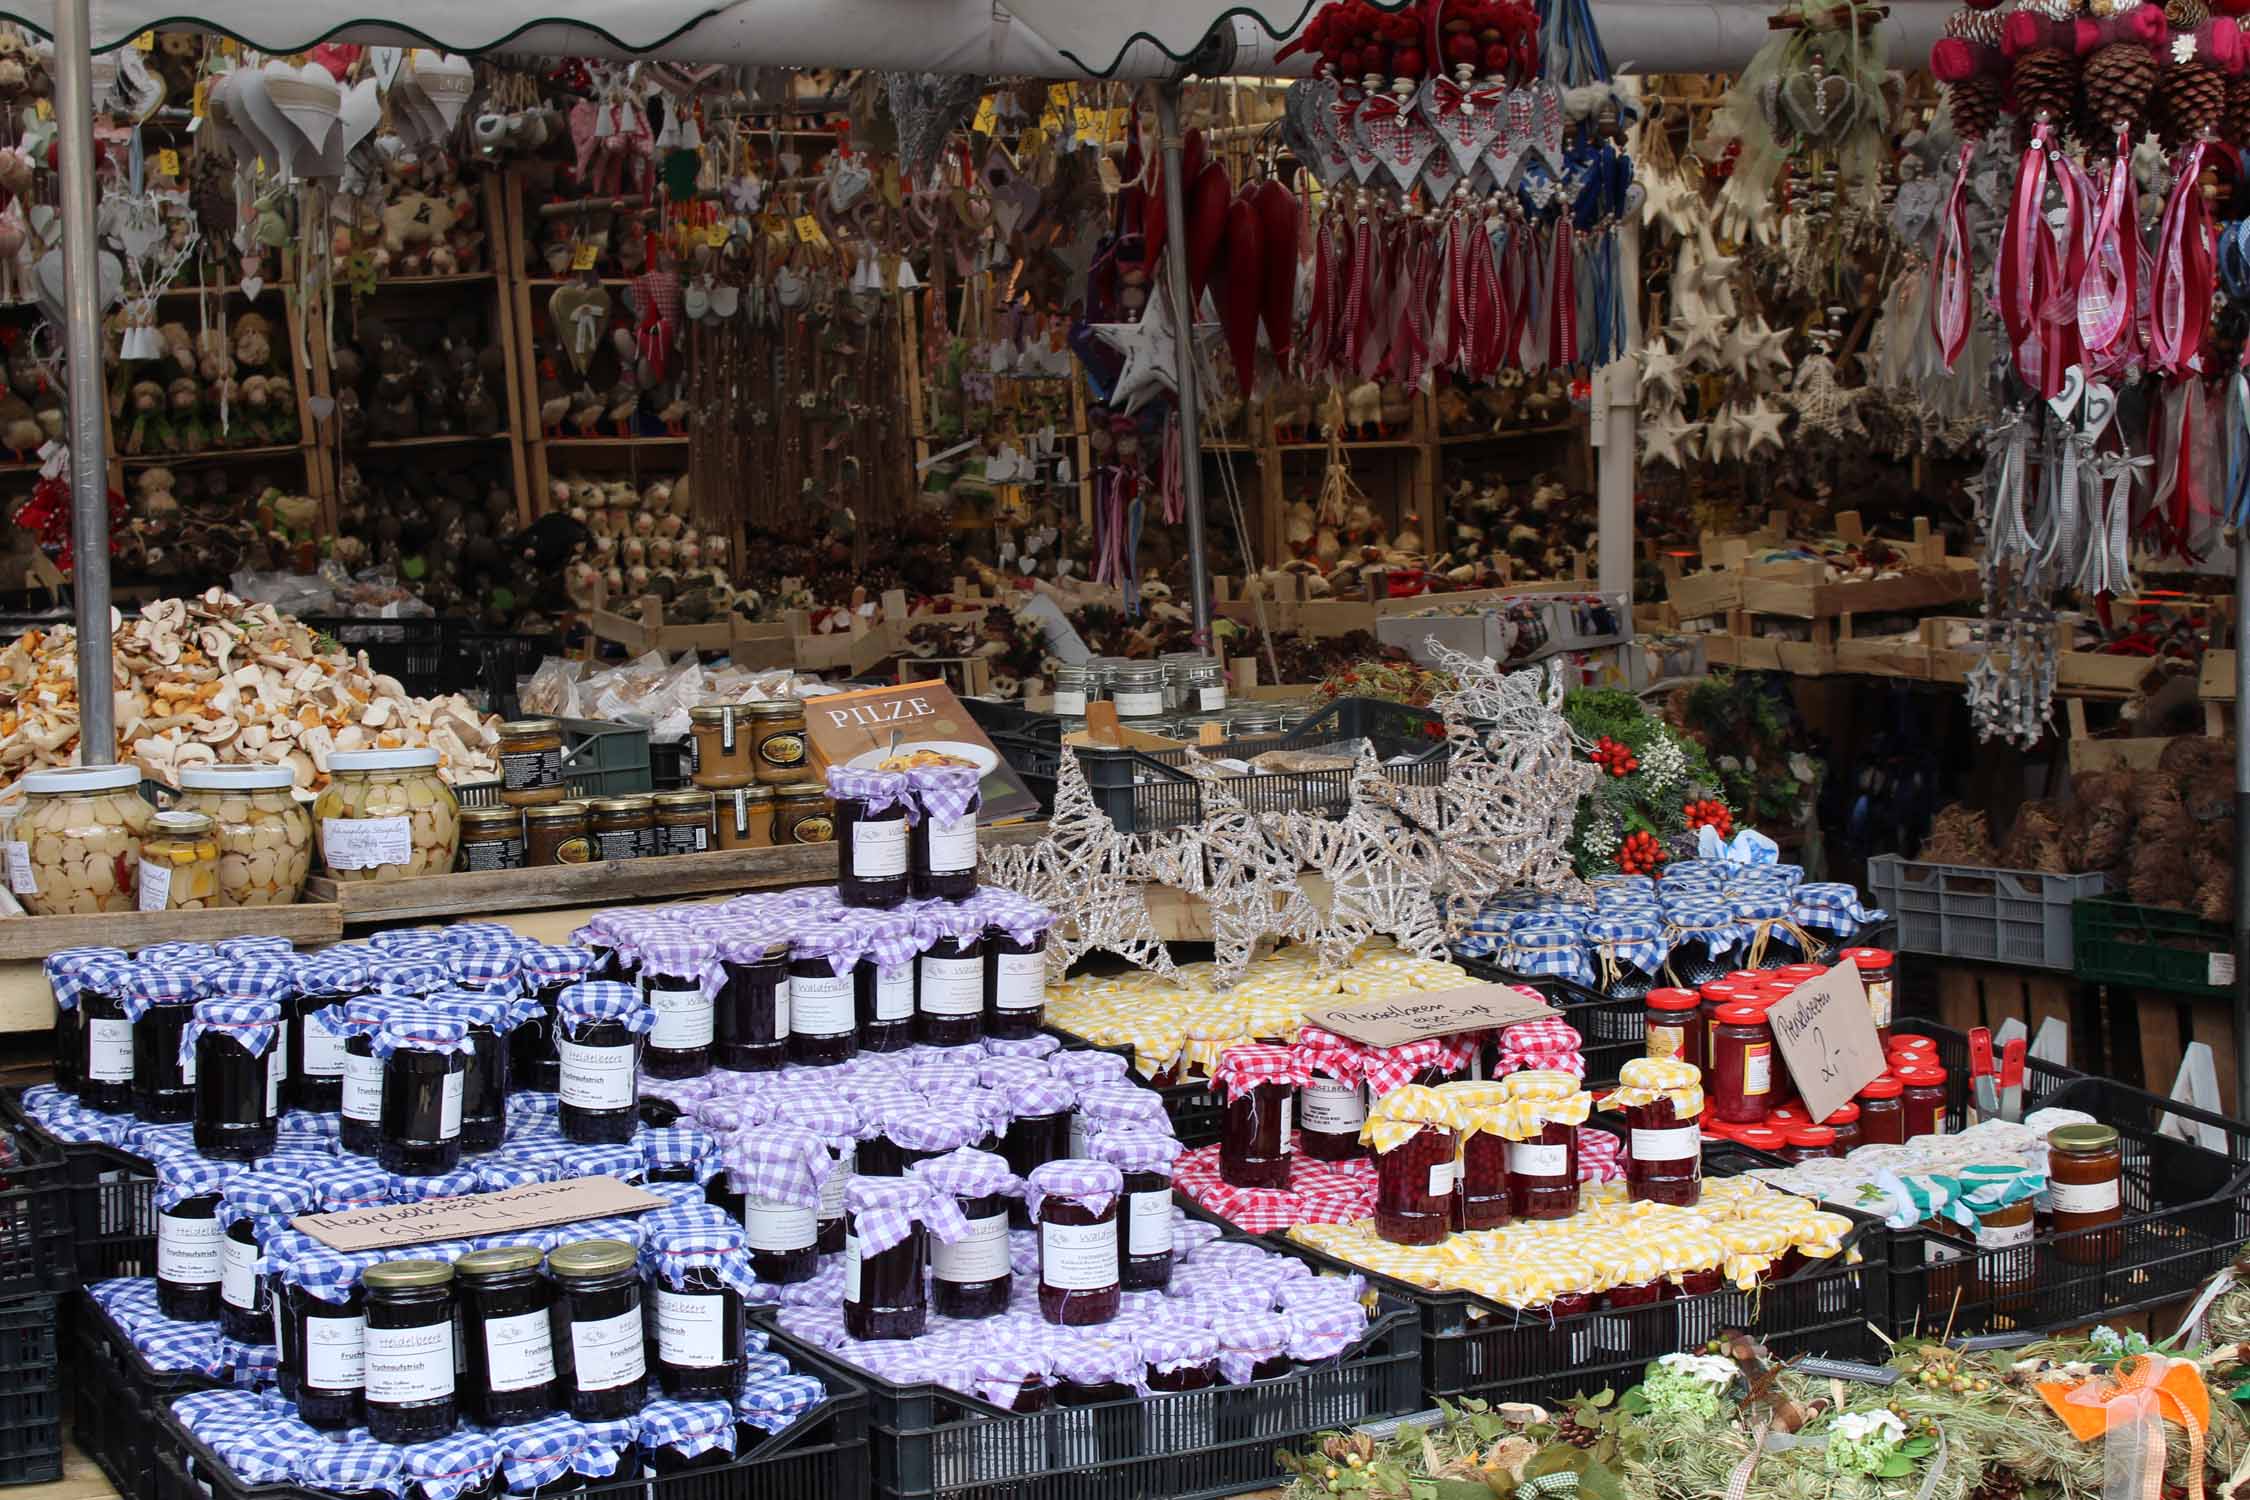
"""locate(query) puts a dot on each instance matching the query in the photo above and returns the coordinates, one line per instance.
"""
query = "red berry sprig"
(1709, 813)
(1615, 757)
(1638, 853)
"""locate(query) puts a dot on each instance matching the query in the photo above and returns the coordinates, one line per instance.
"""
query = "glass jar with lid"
(1922, 1097)
(887, 1227)
(601, 1357)
(1249, 720)
(560, 833)
(1202, 686)
(1074, 687)
(531, 762)
(623, 827)
(491, 839)
(678, 975)
(238, 1055)
(66, 970)
(180, 864)
(190, 1260)
(1664, 1103)
(598, 1027)
(683, 821)
(409, 1350)
(387, 815)
(780, 1169)
(872, 837)
(750, 1018)
(725, 756)
(1259, 1082)
(2085, 1182)
(802, 815)
(253, 1208)
(971, 1276)
(265, 833)
(944, 798)
(1137, 688)
(1144, 1239)
(744, 816)
(1415, 1131)
(698, 1268)
(1074, 1207)
(780, 750)
(1741, 1073)
(510, 1350)
(82, 829)
(158, 1003)
(1541, 1119)
(425, 1075)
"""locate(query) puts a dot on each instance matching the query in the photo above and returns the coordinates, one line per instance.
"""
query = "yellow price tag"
(202, 98)
(145, 42)
(808, 230)
(717, 236)
(1118, 119)
(775, 225)
(45, 108)
(1051, 123)
(1032, 142)
(168, 163)
(1089, 123)
(1058, 95)
(988, 116)
(584, 254)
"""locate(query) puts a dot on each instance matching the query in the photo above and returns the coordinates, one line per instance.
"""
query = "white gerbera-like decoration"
(1707, 1367)
(2183, 47)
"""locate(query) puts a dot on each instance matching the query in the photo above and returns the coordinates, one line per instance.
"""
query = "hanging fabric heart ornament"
(1466, 118)
(848, 181)
(272, 138)
(1319, 118)
(310, 101)
(1511, 141)
(1547, 124)
(361, 110)
(1398, 137)
(446, 81)
(579, 313)
(1350, 100)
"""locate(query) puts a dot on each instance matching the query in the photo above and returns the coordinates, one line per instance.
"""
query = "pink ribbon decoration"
(1953, 270)
(1356, 289)
(2180, 285)
(1312, 349)
(2111, 286)
(2028, 272)
(1562, 319)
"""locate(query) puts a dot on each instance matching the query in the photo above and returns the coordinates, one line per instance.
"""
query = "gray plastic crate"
(1967, 911)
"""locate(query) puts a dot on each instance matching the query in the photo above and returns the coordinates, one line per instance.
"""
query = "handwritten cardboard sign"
(534, 1206)
(1827, 1036)
(1399, 1019)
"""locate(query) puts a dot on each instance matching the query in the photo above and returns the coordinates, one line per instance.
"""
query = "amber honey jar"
(723, 745)
(491, 838)
(557, 834)
(622, 826)
(744, 817)
(683, 822)
(779, 750)
(802, 814)
(531, 762)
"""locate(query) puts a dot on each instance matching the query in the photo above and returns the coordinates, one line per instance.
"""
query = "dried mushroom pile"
(213, 680)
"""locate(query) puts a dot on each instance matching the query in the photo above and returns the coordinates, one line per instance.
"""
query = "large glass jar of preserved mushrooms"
(82, 829)
(386, 815)
(265, 833)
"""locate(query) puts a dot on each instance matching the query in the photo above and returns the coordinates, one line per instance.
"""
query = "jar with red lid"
(1878, 974)
(1074, 1206)
(1920, 1049)
(1882, 1112)
(1675, 1026)
(1810, 1143)
(1923, 1099)
(1761, 1138)
(1751, 977)
(1741, 1072)
(1798, 974)
(1788, 1116)
(1845, 1122)
(1260, 1082)
(1715, 996)
(1662, 1101)
(1416, 1135)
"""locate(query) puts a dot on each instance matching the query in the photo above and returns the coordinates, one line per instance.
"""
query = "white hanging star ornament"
(1232, 861)
(1085, 871)
(1151, 349)
(1701, 332)
(1670, 439)
(1737, 347)
(1671, 203)
(1719, 433)
(1382, 873)
(1761, 427)
(1660, 373)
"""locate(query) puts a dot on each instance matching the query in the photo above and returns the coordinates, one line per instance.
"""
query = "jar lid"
(1760, 1137)
(1801, 973)
(632, 803)
(1811, 1135)
(1869, 958)
(571, 811)
(180, 820)
(1787, 1115)
(1885, 1087)
(1844, 1114)
(496, 817)
(2082, 1138)
(81, 779)
(1721, 990)
(801, 791)
(750, 793)
(521, 728)
(688, 800)
(771, 708)
(591, 1258)
(405, 758)
(503, 1260)
(1673, 1000)
(1742, 1015)
(404, 1275)
(716, 713)
(1747, 976)
(235, 778)
(1921, 1075)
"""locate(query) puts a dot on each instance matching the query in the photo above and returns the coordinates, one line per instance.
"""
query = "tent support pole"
(2241, 846)
(82, 326)
(1190, 370)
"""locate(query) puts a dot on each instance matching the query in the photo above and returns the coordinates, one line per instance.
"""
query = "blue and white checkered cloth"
(774, 1403)
(689, 1428)
(1834, 906)
(1634, 939)
(357, 1464)
(445, 1468)
(675, 1146)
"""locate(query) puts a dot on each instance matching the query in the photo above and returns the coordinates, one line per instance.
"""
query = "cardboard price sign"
(1399, 1019)
(1827, 1036)
(535, 1206)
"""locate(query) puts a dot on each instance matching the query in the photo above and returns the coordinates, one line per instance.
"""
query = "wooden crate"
(1951, 642)
(1965, 995)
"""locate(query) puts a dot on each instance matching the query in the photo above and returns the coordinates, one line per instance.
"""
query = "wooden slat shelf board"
(2216, 682)
(1553, 429)
(362, 903)
(210, 455)
(458, 278)
(306, 923)
(431, 440)
(664, 440)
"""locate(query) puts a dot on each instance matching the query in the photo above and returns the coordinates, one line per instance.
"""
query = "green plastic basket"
(2151, 947)
(600, 759)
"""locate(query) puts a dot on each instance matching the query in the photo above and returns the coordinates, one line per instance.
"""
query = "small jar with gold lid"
(492, 838)
(721, 735)
(779, 748)
(622, 826)
(802, 814)
(557, 834)
(531, 762)
(683, 821)
(745, 817)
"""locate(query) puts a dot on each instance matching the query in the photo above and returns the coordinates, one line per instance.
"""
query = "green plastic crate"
(600, 759)
(2151, 947)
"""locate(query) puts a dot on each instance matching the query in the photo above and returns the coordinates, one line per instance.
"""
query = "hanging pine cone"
(1975, 103)
(2186, 15)
(2118, 78)
(2045, 83)
(2236, 124)
(2190, 97)
(1998, 1484)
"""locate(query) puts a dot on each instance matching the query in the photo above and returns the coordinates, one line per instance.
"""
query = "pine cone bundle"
(2045, 83)
(2186, 15)
(1568, 1429)
(2118, 78)
(2235, 126)
(2190, 96)
(1998, 1484)
(1975, 103)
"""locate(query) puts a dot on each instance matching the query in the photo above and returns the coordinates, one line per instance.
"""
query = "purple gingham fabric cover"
(1325, 1328)
(603, 1000)
(787, 1163)
(688, 1428)
(1036, 1047)
(1118, 1105)
(447, 1467)
(832, 1118)
(679, 953)
(1171, 1346)
(1090, 1359)
(941, 793)
(968, 1173)
(1021, 920)
(1034, 1097)
(777, 1401)
(677, 1245)
(1084, 1069)
(145, 988)
(253, 1024)
(1097, 1182)
(751, 943)
(963, 921)
(884, 1210)
(998, 1375)
(1131, 1150)
(63, 967)
(421, 1033)
(267, 1199)
(879, 790)
(838, 942)
(892, 937)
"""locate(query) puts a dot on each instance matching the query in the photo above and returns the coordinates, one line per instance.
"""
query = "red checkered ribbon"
(1600, 1156)
(1319, 1192)
(1548, 1043)
(1244, 1068)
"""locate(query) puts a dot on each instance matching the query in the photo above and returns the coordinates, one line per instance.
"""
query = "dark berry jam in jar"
(505, 1324)
(674, 966)
(160, 1004)
(697, 1313)
(1741, 1073)
(361, 1089)
(190, 1248)
(1543, 1173)
(316, 1052)
(601, 1361)
(105, 1035)
(1414, 1187)
(547, 969)
(238, 1058)
(872, 860)
(1663, 1104)
(69, 972)
(1144, 1243)
(750, 1021)
(409, 1350)
(253, 1207)
(823, 1009)
(1675, 1026)
(598, 1028)
(949, 990)
(943, 850)
(1015, 973)
(886, 1256)
(1075, 1206)
(1882, 1115)
(325, 1352)
(971, 1275)
(1039, 1119)
(1260, 1083)
(781, 1228)
(425, 1073)
(884, 978)
(485, 1081)
(1330, 1114)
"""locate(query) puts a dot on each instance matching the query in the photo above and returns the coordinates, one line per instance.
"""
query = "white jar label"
(1080, 1133)
(879, 848)
(154, 891)
(983, 1256)
(363, 1087)
(1140, 705)
(1078, 1257)
(519, 1351)
(1020, 982)
(1288, 1113)
(832, 1189)
(953, 846)
(781, 997)
(410, 1364)
(1332, 1107)
(20, 878)
(771, 1224)
(609, 1351)
(187, 1250)
(1537, 1159)
(691, 1328)
(894, 993)
(1211, 699)
(277, 1069)
(683, 1018)
(1757, 1068)
(336, 1353)
(187, 1069)
(109, 1051)
(1441, 1179)
(1672, 1143)
(366, 843)
(952, 986)
(324, 1053)
(1069, 703)
(595, 1077)
(2083, 1198)
(851, 1268)
(449, 1106)
(822, 1006)
(1879, 1001)
(1149, 1231)
(238, 1273)
(2001, 1236)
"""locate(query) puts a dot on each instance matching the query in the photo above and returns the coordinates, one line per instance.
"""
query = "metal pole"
(2241, 845)
(82, 326)
(1190, 356)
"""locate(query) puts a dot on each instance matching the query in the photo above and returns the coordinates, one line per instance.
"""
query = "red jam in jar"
(1543, 1173)
(1716, 995)
(885, 1290)
(1878, 973)
(1762, 1138)
(1845, 1122)
(1664, 1142)
(1923, 1099)
(1810, 1143)
(1741, 1075)
(1260, 1082)
(1481, 1201)
(1675, 1028)
(1074, 1208)
(1414, 1187)
(1882, 1112)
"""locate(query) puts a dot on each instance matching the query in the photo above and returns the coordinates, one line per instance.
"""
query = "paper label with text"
(1078, 1257)
(366, 843)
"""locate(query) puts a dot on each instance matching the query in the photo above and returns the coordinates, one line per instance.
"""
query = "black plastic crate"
(929, 1442)
(36, 1227)
(1472, 1346)
(821, 1456)
(115, 1398)
(109, 1199)
(31, 1391)
(417, 650)
(493, 661)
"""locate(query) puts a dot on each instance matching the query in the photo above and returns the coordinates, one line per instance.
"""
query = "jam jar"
(316, 1052)
(802, 815)
(1922, 1098)
(745, 817)
(1039, 1117)
(823, 1007)
(971, 1277)
(1878, 973)
(485, 1081)
(949, 978)
(1415, 1132)
(684, 822)
(1101, 1374)
(623, 827)
(942, 851)
(1882, 1112)
(840, 1128)
(681, 1436)
(1741, 1072)
(65, 970)
(546, 970)
(1663, 1102)
(364, 1467)
(105, 1059)
(157, 1004)
(561, 833)
(238, 1054)
(698, 1269)
(425, 1061)
(1144, 1246)
(778, 744)
(883, 981)
(871, 836)
(1015, 965)
(1675, 1026)
(1610, 936)
(1015, 1380)
(1074, 1206)
(1810, 1143)
(252, 1208)
(1331, 1110)
(886, 1255)
(1180, 1357)
(491, 839)
(750, 1019)
(409, 1350)
(2085, 1171)
(780, 1170)
(1260, 1082)
(531, 762)
(1844, 1120)
(601, 1362)
(724, 756)
(324, 1355)
(509, 1340)
(675, 973)
(190, 1254)
(1548, 1107)
(598, 1026)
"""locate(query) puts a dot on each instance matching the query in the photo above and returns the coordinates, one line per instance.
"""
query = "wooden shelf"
(209, 455)
(434, 440)
(231, 289)
(305, 923)
(554, 281)
(1553, 429)
(665, 441)
(458, 278)
(1351, 445)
